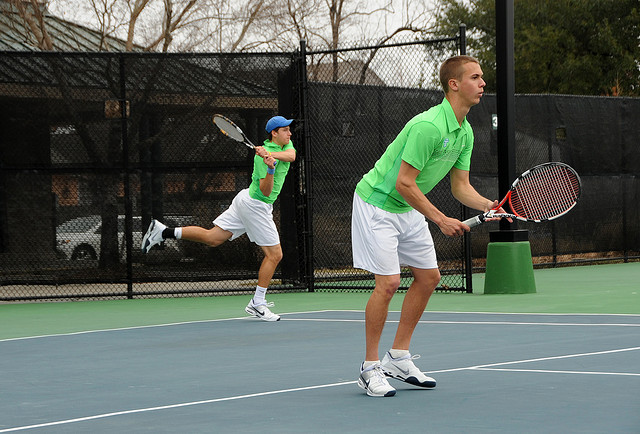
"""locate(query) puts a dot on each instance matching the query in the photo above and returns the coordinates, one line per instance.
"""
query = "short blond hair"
(452, 68)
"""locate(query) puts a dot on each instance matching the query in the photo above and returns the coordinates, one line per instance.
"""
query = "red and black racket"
(542, 193)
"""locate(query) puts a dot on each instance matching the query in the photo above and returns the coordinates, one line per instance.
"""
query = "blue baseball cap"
(277, 122)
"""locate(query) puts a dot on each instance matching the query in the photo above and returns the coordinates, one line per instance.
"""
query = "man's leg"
(158, 232)
(272, 257)
(414, 304)
(372, 378)
(398, 362)
(374, 250)
(258, 305)
(212, 237)
(376, 312)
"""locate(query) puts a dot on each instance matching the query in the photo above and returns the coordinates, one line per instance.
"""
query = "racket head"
(545, 192)
(230, 129)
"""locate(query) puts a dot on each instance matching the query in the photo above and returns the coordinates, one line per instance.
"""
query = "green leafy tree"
(577, 47)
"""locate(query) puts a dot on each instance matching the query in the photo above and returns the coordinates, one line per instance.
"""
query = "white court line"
(245, 318)
(547, 371)
(485, 313)
(84, 332)
(476, 322)
(540, 359)
(533, 313)
(150, 326)
(170, 406)
(321, 386)
(341, 320)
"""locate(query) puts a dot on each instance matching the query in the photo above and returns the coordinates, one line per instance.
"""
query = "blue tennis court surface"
(495, 372)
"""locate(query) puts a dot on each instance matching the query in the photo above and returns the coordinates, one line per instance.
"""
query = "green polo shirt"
(433, 142)
(260, 171)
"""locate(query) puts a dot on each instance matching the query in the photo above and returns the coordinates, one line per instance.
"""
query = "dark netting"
(92, 146)
(355, 110)
(596, 136)
(80, 182)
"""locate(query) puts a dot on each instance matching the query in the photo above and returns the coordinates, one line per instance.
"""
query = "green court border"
(595, 289)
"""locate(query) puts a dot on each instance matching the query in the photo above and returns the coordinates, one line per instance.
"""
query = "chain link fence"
(96, 145)
(93, 146)
(598, 137)
(359, 100)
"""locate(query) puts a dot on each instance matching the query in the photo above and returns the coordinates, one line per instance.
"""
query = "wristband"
(271, 171)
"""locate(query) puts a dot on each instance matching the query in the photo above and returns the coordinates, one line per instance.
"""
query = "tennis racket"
(230, 129)
(544, 192)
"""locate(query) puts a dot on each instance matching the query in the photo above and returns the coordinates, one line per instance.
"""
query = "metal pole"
(505, 100)
(509, 264)
(128, 209)
(467, 254)
(306, 166)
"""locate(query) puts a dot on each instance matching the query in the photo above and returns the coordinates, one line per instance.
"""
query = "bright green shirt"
(260, 171)
(433, 142)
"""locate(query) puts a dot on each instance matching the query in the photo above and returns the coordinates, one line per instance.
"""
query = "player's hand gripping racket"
(542, 193)
(230, 129)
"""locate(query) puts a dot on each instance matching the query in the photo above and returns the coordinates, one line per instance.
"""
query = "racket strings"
(545, 193)
(229, 128)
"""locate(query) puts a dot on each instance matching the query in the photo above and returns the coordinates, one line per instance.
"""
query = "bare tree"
(142, 24)
(326, 25)
(31, 15)
(135, 8)
(105, 18)
(306, 23)
(415, 17)
(229, 25)
(342, 14)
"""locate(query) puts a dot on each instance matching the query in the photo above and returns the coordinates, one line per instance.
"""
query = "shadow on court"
(495, 372)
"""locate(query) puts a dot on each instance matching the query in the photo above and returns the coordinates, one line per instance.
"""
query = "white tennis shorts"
(383, 241)
(250, 216)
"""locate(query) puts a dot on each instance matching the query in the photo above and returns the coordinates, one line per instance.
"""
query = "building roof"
(65, 35)
(184, 77)
(348, 72)
(83, 55)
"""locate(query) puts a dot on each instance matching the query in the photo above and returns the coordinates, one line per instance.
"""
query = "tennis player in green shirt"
(389, 229)
(251, 212)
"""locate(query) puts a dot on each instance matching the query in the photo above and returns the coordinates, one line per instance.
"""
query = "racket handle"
(474, 221)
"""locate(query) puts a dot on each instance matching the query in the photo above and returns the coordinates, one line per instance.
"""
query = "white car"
(79, 238)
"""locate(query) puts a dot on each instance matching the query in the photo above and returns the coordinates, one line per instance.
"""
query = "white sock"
(396, 354)
(368, 363)
(259, 296)
(178, 233)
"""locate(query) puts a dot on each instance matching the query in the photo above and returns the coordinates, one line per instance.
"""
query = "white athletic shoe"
(262, 311)
(403, 369)
(372, 380)
(153, 236)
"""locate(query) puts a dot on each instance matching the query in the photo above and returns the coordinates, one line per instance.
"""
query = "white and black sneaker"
(373, 381)
(403, 369)
(262, 311)
(153, 236)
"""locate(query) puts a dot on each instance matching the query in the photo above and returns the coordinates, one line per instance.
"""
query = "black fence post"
(128, 209)
(505, 98)
(291, 266)
(467, 254)
(306, 166)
